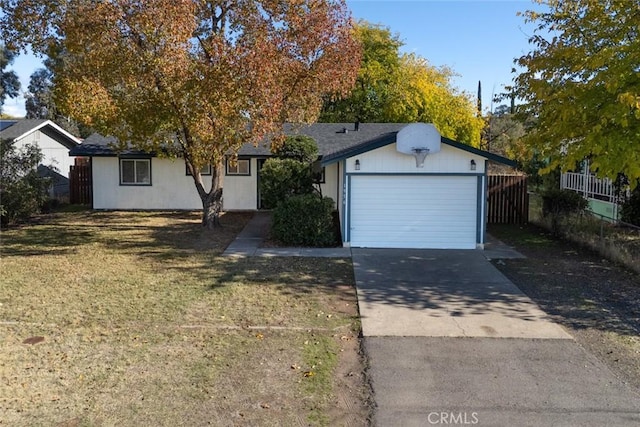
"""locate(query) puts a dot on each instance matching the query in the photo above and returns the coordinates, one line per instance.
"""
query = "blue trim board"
(390, 138)
(479, 152)
(479, 213)
(355, 150)
(347, 221)
(414, 174)
(485, 201)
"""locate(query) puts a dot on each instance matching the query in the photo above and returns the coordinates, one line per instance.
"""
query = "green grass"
(144, 323)
(320, 357)
(521, 235)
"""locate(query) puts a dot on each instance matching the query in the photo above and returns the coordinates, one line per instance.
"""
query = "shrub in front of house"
(631, 208)
(22, 191)
(298, 147)
(557, 202)
(283, 178)
(304, 220)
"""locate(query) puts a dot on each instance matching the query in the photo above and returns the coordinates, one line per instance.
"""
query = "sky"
(477, 39)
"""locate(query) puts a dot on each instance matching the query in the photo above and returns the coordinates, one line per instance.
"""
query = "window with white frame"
(238, 167)
(135, 171)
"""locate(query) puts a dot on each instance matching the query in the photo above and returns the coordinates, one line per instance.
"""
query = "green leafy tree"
(424, 93)
(399, 88)
(301, 216)
(23, 191)
(9, 82)
(283, 178)
(581, 83)
(504, 134)
(204, 77)
(40, 103)
(370, 98)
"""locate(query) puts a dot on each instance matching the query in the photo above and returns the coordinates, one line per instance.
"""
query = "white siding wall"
(53, 152)
(170, 187)
(387, 160)
(240, 192)
(331, 182)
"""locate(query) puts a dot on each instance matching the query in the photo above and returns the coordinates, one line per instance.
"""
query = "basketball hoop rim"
(420, 153)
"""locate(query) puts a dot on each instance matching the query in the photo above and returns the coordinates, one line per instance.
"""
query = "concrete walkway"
(248, 242)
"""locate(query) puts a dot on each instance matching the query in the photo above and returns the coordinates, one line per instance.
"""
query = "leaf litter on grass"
(143, 324)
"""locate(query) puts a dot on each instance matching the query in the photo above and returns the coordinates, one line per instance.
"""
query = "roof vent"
(344, 130)
(356, 126)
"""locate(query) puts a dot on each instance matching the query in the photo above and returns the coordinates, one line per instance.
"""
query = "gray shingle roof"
(12, 129)
(330, 138)
(100, 146)
(19, 127)
(333, 142)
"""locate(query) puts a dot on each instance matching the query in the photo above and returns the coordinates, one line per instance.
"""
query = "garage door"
(413, 211)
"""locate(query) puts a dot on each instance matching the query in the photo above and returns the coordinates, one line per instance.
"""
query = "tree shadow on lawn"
(325, 282)
(158, 234)
(33, 241)
(294, 275)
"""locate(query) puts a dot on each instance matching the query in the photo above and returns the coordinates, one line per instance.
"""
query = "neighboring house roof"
(334, 144)
(16, 129)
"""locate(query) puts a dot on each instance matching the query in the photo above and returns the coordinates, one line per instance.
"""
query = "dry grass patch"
(111, 318)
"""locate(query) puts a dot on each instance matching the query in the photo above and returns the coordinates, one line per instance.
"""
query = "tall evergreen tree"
(9, 82)
(40, 102)
(479, 99)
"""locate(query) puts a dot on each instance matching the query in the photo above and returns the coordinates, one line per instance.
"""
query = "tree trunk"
(211, 207)
(212, 199)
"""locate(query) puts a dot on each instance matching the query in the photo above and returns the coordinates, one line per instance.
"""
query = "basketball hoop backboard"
(418, 140)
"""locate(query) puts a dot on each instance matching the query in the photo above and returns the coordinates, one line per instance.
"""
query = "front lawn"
(111, 318)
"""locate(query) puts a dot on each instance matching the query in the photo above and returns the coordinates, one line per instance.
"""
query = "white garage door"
(413, 211)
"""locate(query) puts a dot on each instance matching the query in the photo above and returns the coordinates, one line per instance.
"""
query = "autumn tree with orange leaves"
(190, 78)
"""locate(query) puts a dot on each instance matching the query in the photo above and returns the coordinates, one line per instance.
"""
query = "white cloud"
(14, 107)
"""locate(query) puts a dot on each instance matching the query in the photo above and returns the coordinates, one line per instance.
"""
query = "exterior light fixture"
(357, 164)
(472, 165)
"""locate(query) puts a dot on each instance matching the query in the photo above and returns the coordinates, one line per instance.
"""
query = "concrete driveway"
(451, 341)
(435, 293)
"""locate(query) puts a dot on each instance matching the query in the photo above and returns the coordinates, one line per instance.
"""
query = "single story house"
(396, 185)
(54, 143)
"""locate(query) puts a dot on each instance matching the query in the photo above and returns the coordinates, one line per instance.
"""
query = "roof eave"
(391, 137)
(71, 140)
(486, 154)
(355, 150)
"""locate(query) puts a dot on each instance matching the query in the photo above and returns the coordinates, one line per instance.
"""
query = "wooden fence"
(80, 184)
(508, 199)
